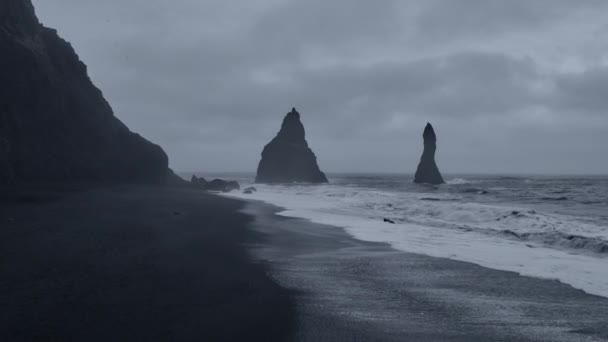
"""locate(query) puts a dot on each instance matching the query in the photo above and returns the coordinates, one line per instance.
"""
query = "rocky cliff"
(427, 169)
(55, 124)
(287, 158)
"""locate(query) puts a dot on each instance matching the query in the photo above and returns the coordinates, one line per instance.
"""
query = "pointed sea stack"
(287, 158)
(55, 125)
(427, 169)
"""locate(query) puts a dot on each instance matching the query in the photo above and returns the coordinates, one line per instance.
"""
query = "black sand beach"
(350, 290)
(146, 263)
(133, 264)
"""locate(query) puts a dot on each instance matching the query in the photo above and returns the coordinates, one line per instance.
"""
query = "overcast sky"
(517, 86)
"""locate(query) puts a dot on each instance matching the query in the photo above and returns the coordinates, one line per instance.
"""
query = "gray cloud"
(517, 86)
(444, 20)
(583, 92)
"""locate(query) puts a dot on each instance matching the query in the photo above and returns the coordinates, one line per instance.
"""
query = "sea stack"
(55, 125)
(427, 169)
(287, 158)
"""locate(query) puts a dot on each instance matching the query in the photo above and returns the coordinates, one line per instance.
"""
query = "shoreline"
(351, 289)
(133, 263)
(491, 248)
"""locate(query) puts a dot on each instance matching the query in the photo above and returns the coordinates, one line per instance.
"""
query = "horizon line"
(393, 173)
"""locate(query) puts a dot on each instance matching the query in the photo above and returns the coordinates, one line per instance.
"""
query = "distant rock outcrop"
(199, 183)
(287, 158)
(215, 185)
(222, 185)
(250, 190)
(427, 169)
(55, 124)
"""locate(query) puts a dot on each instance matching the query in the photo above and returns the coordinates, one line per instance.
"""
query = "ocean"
(553, 227)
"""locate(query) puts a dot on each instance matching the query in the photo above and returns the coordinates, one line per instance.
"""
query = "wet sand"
(350, 290)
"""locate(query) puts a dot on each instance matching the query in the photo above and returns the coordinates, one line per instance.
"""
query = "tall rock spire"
(427, 169)
(287, 158)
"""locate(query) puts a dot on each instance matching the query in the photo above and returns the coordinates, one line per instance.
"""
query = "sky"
(518, 86)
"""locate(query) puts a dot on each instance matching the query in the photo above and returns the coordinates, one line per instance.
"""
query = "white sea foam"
(458, 181)
(506, 238)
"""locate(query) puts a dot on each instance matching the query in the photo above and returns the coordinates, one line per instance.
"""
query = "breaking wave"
(448, 222)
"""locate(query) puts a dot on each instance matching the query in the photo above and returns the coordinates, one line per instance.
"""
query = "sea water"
(547, 227)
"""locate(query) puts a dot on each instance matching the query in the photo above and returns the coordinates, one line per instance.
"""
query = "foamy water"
(538, 230)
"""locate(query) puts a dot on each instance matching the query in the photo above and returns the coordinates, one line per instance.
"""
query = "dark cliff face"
(55, 124)
(287, 158)
(427, 169)
(18, 17)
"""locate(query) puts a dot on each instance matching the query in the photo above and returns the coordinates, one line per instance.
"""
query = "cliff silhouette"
(55, 125)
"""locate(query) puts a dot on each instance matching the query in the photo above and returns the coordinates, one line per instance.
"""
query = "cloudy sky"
(517, 86)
